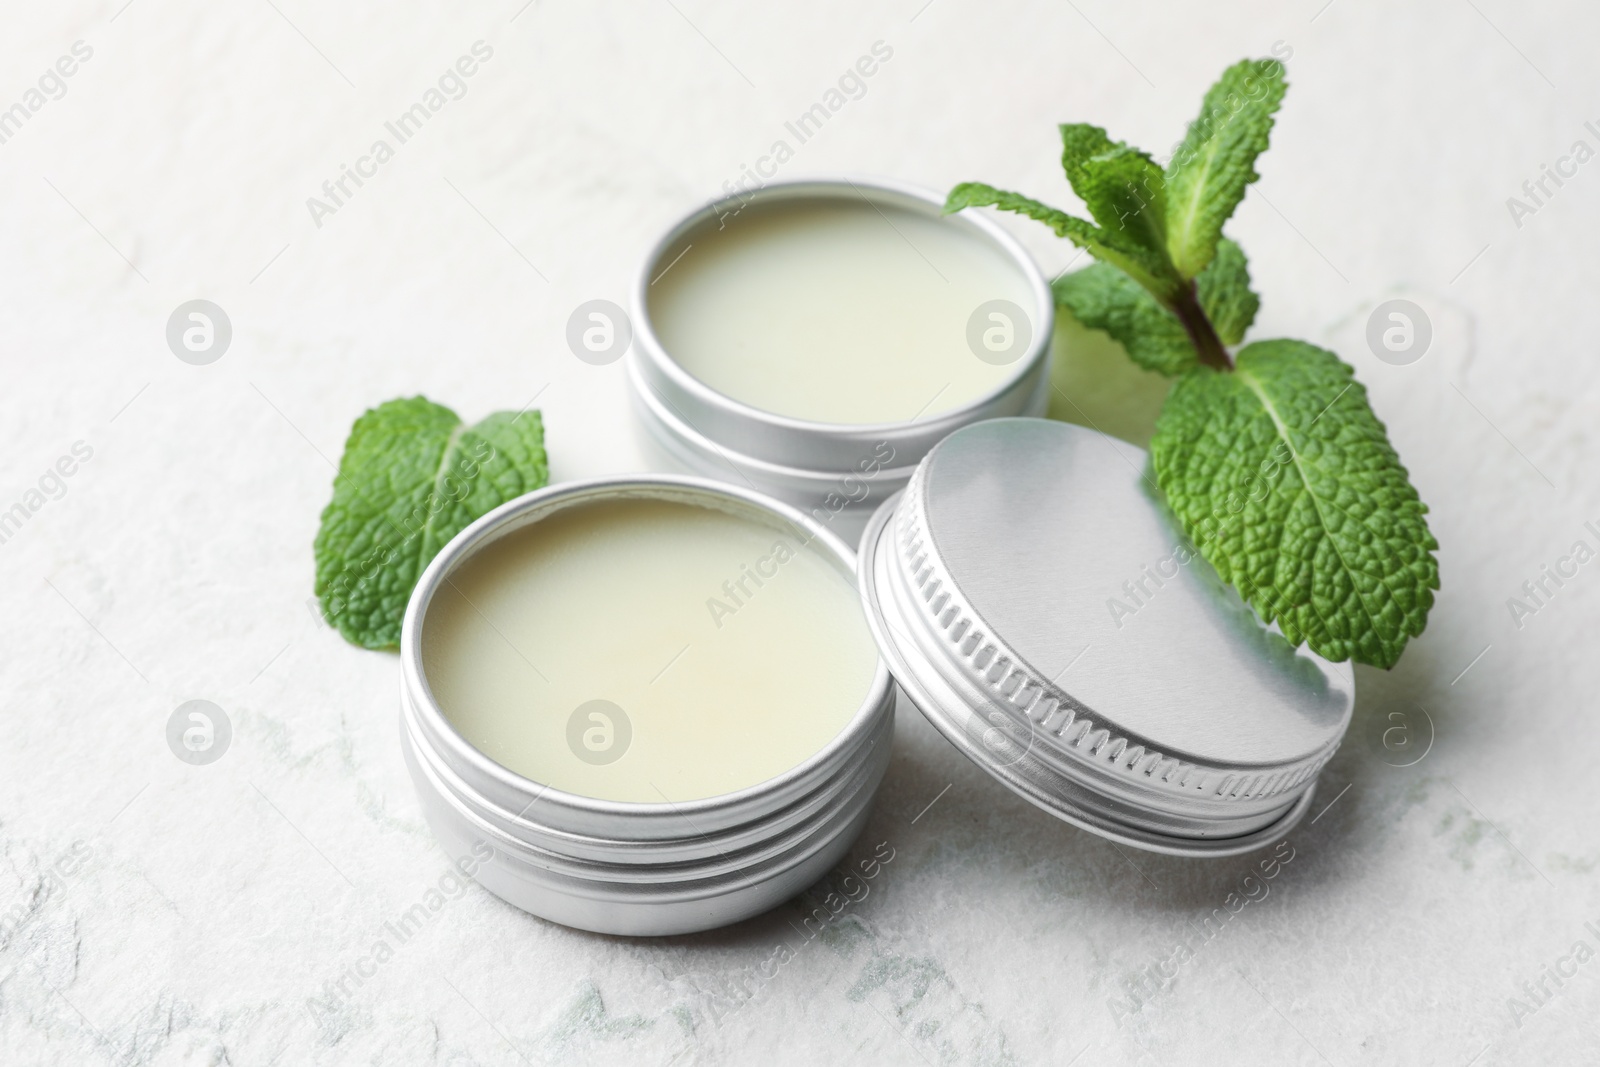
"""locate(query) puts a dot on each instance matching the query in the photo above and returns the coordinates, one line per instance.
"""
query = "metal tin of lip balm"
(835, 472)
(1042, 610)
(637, 868)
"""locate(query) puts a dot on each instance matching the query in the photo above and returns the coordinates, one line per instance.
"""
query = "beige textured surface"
(207, 904)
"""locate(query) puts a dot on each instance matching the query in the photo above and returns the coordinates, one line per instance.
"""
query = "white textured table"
(153, 912)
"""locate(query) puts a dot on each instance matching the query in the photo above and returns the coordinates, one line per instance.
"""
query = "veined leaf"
(1208, 174)
(1104, 298)
(1286, 481)
(1225, 294)
(411, 477)
(1121, 186)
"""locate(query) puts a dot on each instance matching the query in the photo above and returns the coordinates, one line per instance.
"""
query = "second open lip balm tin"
(637, 868)
(824, 468)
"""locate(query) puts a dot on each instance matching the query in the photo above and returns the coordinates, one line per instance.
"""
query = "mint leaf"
(1121, 186)
(1208, 173)
(1149, 267)
(412, 476)
(1103, 298)
(976, 194)
(1081, 142)
(1224, 292)
(1286, 482)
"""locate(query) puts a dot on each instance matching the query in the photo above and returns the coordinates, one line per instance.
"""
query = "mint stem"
(1186, 306)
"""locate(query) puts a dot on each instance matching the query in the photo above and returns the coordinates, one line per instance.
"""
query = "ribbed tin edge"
(968, 688)
(1068, 730)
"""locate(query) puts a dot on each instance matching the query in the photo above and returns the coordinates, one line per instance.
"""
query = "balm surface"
(733, 651)
(835, 311)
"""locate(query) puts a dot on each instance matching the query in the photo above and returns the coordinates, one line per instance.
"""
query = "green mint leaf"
(1081, 142)
(1121, 186)
(1104, 298)
(412, 476)
(1146, 266)
(975, 194)
(1208, 173)
(1286, 482)
(1225, 294)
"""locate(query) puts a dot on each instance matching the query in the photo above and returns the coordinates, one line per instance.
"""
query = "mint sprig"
(412, 476)
(1272, 460)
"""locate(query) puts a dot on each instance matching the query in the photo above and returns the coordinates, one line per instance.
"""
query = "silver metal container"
(834, 472)
(634, 868)
(1038, 605)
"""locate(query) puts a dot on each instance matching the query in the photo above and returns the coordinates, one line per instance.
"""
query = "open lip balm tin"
(1038, 606)
(956, 288)
(623, 867)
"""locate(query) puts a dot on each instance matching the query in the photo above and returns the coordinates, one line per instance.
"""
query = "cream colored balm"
(837, 310)
(648, 650)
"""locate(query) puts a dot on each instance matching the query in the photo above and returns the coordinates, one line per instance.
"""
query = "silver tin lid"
(1037, 603)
